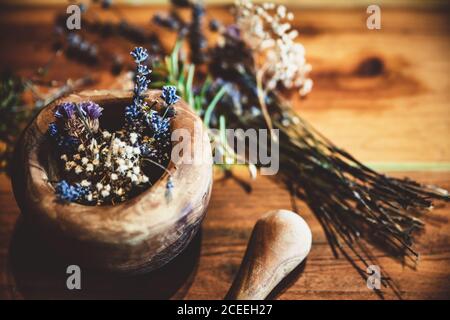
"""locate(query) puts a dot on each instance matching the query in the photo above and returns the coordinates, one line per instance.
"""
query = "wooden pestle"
(280, 241)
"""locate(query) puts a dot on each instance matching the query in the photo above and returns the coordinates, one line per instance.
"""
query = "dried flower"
(139, 54)
(265, 29)
(53, 130)
(169, 95)
(67, 192)
(91, 110)
(65, 110)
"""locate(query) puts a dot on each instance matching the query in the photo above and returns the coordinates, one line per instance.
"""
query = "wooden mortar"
(135, 236)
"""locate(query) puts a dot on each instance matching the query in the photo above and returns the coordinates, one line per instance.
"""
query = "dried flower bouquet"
(103, 167)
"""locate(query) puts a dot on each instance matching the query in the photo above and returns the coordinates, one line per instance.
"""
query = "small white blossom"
(89, 167)
(84, 160)
(106, 134)
(104, 193)
(69, 165)
(78, 169)
(114, 177)
(99, 186)
(133, 137)
(85, 183)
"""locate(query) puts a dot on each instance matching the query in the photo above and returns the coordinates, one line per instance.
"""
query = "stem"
(261, 99)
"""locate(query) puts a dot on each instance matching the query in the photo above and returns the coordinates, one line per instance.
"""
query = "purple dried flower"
(233, 31)
(91, 109)
(65, 110)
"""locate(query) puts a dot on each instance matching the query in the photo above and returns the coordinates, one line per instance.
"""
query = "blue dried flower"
(143, 70)
(65, 142)
(65, 110)
(169, 94)
(53, 130)
(139, 54)
(132, 112)
(91, 109)
(160, 126)
(140, 85)
(69, 193)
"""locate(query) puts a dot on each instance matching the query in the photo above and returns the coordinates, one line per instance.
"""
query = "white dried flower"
(106, 134)
(78, 169)
(265, 29)
(133, 137)
(104, 193)
(99, 186)
(84, 160)
(69, 165)
(81, 148)
(85, 183)
(114, 177)
(89, 167)
(64, 157)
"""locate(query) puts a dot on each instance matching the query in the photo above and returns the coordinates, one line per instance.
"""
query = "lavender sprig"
(134, 114)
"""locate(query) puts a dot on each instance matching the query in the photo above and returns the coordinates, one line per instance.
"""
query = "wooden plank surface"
(383, 95)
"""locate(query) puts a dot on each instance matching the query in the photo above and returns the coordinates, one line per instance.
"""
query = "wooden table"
(383, 95)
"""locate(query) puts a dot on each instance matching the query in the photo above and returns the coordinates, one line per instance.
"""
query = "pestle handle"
(280, 241)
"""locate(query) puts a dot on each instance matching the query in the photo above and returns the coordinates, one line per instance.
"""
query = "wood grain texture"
(383, 95)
